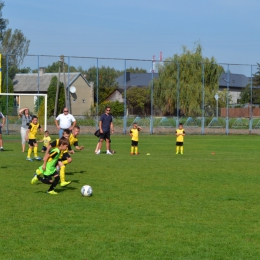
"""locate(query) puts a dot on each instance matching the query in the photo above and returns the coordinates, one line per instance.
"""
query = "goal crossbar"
(36, 94)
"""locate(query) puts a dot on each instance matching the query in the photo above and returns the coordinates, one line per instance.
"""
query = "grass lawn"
(204, 204)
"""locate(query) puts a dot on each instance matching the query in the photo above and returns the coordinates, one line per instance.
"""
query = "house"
(135, 80)
(235, 83)
(80, 92)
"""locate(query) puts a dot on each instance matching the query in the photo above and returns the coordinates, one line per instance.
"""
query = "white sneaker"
(98, 152)
(108, 152)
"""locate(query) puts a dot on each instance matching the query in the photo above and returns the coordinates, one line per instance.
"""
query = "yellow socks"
(136, 150)
(29, 152)
(132, 149)
(62, 174)
(35, 151)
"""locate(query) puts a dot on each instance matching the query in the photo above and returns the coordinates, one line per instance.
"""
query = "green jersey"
(51, 163)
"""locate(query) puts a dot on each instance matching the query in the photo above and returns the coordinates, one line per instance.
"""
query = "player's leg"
(100, 143)
(1, 142)
(35, 150)
(54, 184)
(136, 148)
(66, 159)
(30, 149)
(181, 148)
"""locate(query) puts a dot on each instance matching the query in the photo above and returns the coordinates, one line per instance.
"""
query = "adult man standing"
(105, 125)
(67, 121)
(1, 125)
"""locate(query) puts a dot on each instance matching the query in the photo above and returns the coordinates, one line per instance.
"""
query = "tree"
(106, 81)
(180, 83)
(51, 97)
(139, 100)
(15, 45)
(245, 96)
(10, 99)
(3, 22)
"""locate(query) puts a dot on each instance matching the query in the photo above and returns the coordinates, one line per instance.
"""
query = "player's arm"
(3, 121)
(100, 127)
(139, 128)
(57, 123)
(50, 146)
(73, 124)
(112, 127)
(130, 133)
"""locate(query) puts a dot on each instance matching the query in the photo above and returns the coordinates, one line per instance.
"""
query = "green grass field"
(164, 206)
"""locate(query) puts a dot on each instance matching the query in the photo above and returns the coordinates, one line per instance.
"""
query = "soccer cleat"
(137, 154)
(1, 148)
(52, 192)
(65, 183)
(34, 179)
(181, 153)
(37, 158)
(109, 153)
(29, 159)
(98, 152)
(132, 153)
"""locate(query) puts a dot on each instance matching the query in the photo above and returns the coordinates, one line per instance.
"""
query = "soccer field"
(200, 205)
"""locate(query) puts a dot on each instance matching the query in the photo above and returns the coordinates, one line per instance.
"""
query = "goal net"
(11, 103)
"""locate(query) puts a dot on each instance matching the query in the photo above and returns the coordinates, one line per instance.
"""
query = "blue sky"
(139, 29)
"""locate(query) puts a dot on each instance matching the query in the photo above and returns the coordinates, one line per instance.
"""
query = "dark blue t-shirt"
(106, 121)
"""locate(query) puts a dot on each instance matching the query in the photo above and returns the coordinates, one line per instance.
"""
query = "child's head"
(46, 133)
(35, 120)
(135, 125)
(63, 143)
(75, 130)
(66, 133)
(180, 125)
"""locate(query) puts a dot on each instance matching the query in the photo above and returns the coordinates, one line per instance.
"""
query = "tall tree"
(106, 81)
(245, 96)
(3, 22)
(180, 80)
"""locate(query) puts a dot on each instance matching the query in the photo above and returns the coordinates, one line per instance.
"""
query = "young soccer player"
(134, 133)
(48, 169)
(45, 140)
(180, 133)
(31, 132)
(64, 158)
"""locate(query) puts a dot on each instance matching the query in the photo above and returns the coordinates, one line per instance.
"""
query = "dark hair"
(77, 127)
(66, 131)
(34, 117)
(180, 123)
(63, 141)
(46, 131)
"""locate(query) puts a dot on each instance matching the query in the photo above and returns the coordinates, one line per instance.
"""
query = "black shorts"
(179, 143)
(64, 157)
(0, 130)
(105, 136)
(31, 142)
(49, 177)
(44, 148)
(134, 143)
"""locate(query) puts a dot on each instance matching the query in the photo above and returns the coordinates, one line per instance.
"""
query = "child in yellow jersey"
(31, 132)
(134, 133)
(45, 140)
(180, 133)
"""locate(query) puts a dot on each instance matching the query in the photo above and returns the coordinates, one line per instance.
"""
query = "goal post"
(35, 95)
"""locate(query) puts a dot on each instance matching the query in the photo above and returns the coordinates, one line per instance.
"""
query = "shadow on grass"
(71, 173)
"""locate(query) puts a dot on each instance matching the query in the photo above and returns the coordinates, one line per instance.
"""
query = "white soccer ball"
(86, 191)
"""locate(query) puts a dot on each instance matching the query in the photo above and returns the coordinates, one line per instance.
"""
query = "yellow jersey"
(180, 138)
(33, 130)
(135, 134)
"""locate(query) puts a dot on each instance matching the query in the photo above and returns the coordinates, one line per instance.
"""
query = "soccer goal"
(13, 102)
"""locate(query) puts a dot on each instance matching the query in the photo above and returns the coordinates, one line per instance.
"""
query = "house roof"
(234, 80)
(135, 80)
(30, 82)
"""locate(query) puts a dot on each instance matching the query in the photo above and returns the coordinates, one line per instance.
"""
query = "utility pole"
(64, 81)
(57, 91)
